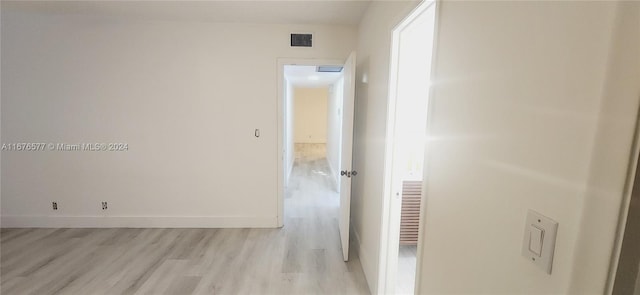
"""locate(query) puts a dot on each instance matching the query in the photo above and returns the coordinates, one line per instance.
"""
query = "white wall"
(310, 110)
(611, 154)
(176, 92)
(518, 116)
(334, 129)
(372, 81)
(288, 133)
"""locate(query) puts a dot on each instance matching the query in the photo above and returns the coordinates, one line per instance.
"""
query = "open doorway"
(315, 151)
(312, 141)
(312, 121)
(410, 77)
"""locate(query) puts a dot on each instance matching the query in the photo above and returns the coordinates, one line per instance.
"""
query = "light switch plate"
(535, 222)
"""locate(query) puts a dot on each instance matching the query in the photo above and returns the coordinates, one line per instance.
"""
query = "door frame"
(280, 150)
(630, 183)
(389, 253)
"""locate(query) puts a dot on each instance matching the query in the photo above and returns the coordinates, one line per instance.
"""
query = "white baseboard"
(138, 221)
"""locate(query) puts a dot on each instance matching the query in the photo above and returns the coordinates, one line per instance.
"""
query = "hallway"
(303, 257)
(314, 253)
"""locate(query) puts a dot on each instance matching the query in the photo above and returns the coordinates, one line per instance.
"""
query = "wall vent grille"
(301, 40)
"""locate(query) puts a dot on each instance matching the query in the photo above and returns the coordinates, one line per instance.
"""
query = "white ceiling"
(306, 76)
(258, 11)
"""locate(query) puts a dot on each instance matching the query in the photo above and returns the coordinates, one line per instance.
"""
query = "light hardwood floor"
(406, 277)
(303, 257)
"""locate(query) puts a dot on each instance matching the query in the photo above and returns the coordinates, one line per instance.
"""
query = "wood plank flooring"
(303, 257)
(406, 278)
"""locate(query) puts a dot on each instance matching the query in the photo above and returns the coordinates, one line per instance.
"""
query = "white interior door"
(346, 170)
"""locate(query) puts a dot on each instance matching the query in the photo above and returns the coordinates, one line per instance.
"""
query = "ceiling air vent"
(301, 40)
(329, 69)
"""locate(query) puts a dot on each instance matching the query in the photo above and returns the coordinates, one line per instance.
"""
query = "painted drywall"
(288, 133)
(310, 112)
(611, 154)
(516, 107)
(372, 81)
(334, 129)
(185, 96)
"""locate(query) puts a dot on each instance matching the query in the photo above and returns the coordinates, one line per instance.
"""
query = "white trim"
(287, 161)
(280, 156)
(139, 221)
(624, 209)
(425, 173)
(388, 259)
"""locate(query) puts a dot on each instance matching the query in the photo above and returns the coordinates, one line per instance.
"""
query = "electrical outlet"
(104, 205)
(54, 205)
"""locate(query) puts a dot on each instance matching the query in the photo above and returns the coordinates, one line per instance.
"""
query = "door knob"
(348, 173)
